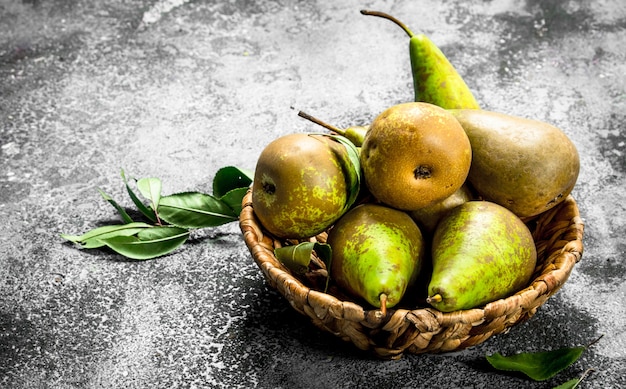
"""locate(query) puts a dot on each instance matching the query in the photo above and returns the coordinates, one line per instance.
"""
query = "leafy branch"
(170, 217)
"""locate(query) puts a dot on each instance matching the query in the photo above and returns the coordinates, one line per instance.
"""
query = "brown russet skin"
(415, 155)
(525, 165)
(299, 188)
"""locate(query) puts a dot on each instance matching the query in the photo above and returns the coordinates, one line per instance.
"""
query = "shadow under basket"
(558, 235)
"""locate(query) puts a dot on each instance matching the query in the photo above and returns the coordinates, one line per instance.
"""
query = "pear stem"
(321, 123)
(383, 304)
(595, 341)
(586, 373)
(434, 299)
(389, 17)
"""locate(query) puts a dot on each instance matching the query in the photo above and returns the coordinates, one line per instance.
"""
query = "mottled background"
(176, 89)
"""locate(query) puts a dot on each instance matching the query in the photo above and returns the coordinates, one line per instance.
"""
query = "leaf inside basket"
(298, 258)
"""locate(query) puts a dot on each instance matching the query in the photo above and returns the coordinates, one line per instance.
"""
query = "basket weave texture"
(558, 235)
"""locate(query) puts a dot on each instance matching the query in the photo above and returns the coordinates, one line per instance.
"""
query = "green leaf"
(351, 166)
(93, 238)
(233, 199)
(147, 212)
(150, 243)
(195, 210)
(231, 177)
(150, 188)
(539, 366)
(297, 258)
(125, 217)
(573, 383)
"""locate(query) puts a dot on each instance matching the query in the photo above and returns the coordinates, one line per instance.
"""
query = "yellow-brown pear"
(414, 155)
(428, 217)
(525, 165)
(302, 184)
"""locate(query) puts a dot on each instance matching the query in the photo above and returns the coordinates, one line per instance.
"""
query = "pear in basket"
(377, 254)
(303, 183)
(481, 252)
(525, 165)
(415, 155)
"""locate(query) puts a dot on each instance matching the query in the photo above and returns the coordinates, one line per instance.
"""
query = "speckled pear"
(302, 185)
(481, 252)
(435, 79)
(377, 253)
(428, 217)
(414, 155)
(525, 165)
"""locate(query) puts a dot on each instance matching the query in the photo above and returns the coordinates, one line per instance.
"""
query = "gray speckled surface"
(177, 89)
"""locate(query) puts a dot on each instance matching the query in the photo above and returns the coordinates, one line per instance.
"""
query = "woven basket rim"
(558, 235)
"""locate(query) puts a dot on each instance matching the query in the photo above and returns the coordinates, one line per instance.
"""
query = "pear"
(415, 155)
(302, 184)
(428, 217)
(355, 134)
(377, 253)
(481, 252)
(435, 79)
(525, 165)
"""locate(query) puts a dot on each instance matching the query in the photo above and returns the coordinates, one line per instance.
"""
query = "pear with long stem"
(354, 134)
(435, 79)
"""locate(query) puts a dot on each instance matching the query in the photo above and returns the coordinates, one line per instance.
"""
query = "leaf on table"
(150, 188)
(195, 210)
(93, 238)
(539, 366)
(149, 243)
(231, 177)
(573, 383)
(125, 217)
(146, 211)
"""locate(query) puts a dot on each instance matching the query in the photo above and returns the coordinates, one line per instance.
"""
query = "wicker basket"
(558, 236)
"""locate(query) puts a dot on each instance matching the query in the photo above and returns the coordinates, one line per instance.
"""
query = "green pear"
(414, 155)
(302, 184)
(377, 253)
(435, 79)
(525, 165)
(428, 217)
(481, 252)
(355, 134)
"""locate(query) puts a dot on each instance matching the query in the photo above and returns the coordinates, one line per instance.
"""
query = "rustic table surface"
(176, 89)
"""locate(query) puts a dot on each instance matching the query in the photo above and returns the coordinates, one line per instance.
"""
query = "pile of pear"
(429, 205)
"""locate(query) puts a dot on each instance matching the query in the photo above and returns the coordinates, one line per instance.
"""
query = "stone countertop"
(177, 89)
